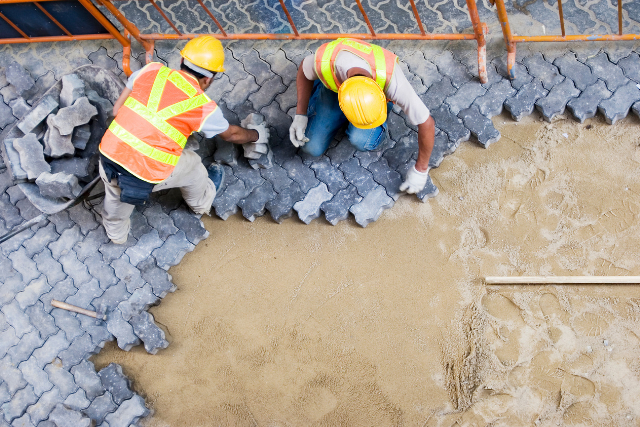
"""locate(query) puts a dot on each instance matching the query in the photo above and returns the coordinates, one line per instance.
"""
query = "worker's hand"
(253, 150)
(297, 130)
(415, 181)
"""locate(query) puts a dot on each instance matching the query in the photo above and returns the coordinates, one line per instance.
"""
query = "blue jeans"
(326, 118)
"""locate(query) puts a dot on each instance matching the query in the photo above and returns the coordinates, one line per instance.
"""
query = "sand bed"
(300, 325)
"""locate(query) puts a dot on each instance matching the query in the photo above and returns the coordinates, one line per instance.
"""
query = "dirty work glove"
(253, 150)
(297, 129)
(415, 181)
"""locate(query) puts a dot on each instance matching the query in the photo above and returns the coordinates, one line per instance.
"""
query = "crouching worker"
(350, 80)
(143, 149)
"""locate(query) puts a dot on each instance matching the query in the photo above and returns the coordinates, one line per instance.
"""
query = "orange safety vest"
(151, 129)
(381, 61)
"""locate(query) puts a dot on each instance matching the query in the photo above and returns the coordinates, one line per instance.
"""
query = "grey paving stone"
(145, 245)
(14, 167)
(15, 194)
(255, 66)
(122, 330)
(68, 238)
(4, 395)
(24, 265)
(429, 191)
(15, 316)
(241, 92)
(265, 161)
(116, 383)
(465, 96)
(31, 156)
(42, 321)
(56, 145)
(480, 126)
(80, 349)
(47, 402)
(129, 412)
(87, 292)
(84, 218)
(43, 83)
(61, 220)
(522, 77)
(128, 273)
(226, 204)
(81, 136)
(8, 339)
(367, 157)
(448, 123)
(13, 244)
(90, 245)
(35, 376)
(309, 208)
(32, 292)
(146, 329)
(23, 421)
(452, 68)
(337, 209)
(606, 71)
(19, 403)
(581, 74)
(281, 207)
(437, 93)
(37, 115)
(267, 92)
(389, 178)
(358, 176)
(402, 151)
(27, 210)
(544, 71)
(523, 102)
(277, 176)
(38, 242)
(67, 322)
(60, 291)
(283, 67)
(86, 377)
(9, 213)
(77, 401)
(226, 152)
(631, 66)
(77, 114)
(58, 185)
(19, 107)
(28, 343)
(74, 269)
(555, 102)
(618, 105)
(288, 98)
(9, 93)
(80, 167)
(251, 177)
(158, 278)
(63, 417)
(61, 379)
(277, 119)
(586, 105)
(172, 251)
(160, 221)
(138, 302)
(11, 376)
(442, 146)
(110, 299)
(97, 330)
(300, 173)
(490, 104)
(72, 89)
(371, 206)
(18, 77)
(51, 348)
(329, 174)
(426, 70)
(100, 407)
(254, 204)
(396, 126)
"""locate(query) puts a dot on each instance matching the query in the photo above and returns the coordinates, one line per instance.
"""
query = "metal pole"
(366, 18)
(619, 17)
(14, 26)
(293, 26)
(508, 37)
(133, 30)
(166, 18)
(55, 21)
(206, 9)
(104, 21)
(415, 13)
(314, 36)
(479, 29)
(561, 14)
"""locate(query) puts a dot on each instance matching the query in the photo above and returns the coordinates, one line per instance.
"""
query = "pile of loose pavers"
(46, 378)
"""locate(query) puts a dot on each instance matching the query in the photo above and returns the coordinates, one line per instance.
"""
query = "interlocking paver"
(87, 292)
(11, 376)
(327, 173)
(523, 103)
(437, 93)
(15, 316)
(480, 126)
(116, 383)
(585, 106)
(159, 279)
(146, 244)
(19, 403)
(490, 104)
(41, 320)
(146, 329)
(267, 92)
(35, 376)
(100, 407)
(309, 207)
(28, 343)
(62, 379)
(90, 244)
(40, 240)
(128, 413)
(606, 71)
(241, 92)
(8, 339)
(426, 70)
(452, 68)
(74, 268)
(87, 379)
(84, 218)
(32, 292)
(80, 348)
(358, 176)
(63, 417)
(77, 401)
(60, 291)
(618, 105)
(127, 273)
(449, 123)
(281, 207)
(51, 348)
(372, 206)
(47, 402)
(631, 66)
(254, 204)
(111, 251)
(555, 102)
(23, 263)
(67, 322)
(122, 330)
(581, 74)
(172, 251)
(465, 96)
(190, 224)
(337, 208)
(301, 174)
(65, 243)
(544, 71)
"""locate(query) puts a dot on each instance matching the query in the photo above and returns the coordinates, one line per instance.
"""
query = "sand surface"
(303, 325)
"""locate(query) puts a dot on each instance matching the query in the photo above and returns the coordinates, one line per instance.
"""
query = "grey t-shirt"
(213, 125)
(399, 89)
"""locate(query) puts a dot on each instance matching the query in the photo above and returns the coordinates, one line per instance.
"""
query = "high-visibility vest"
(381, 61)
(151, 128)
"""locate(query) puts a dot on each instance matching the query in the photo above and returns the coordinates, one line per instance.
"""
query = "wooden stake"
(562, 280)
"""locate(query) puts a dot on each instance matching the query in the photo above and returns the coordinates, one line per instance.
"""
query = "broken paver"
(58, 185)
(76, 115)
(31, 156)
(37, 115)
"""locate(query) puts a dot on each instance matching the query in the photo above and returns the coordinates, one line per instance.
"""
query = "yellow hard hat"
(363, 102)
(205, 52)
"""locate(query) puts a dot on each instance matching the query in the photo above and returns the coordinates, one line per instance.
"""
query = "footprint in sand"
(504, 310)
(620, 218)
(512, 194)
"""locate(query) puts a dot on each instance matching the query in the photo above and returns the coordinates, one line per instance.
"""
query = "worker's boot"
(216, 174)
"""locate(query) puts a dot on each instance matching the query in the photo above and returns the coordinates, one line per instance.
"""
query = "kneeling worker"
(350, 80)
(143, 149)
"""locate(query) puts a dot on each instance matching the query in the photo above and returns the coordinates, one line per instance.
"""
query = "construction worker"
(350, 80)
(143, 149)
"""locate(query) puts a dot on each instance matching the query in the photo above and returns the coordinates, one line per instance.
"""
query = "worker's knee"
(366, 139)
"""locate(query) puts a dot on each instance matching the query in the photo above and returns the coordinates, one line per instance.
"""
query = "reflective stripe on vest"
(381, 61)
(133, 129)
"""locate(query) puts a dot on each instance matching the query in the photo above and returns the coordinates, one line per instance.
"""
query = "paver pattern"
(45, 376)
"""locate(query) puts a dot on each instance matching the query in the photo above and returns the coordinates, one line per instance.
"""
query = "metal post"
(206, 9)
(366, 18)
(293, 26)
(54, 20)
(415, 13)
(166, 18)
(561, 14)
(508, 37)
(479, 30)
(105, 22)
(133, 30)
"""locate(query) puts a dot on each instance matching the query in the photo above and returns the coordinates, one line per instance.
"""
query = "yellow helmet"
(205, 52)
(363, 102)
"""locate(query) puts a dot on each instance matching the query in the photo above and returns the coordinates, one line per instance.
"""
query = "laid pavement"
(46, 378)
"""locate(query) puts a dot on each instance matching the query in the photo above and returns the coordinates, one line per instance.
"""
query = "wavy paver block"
(31, 156)
(37, 115)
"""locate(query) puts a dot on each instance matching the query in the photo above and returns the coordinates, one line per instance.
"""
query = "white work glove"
(253, 150)
(297, 129)
(415, 181)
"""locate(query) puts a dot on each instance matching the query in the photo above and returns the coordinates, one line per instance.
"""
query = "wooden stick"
(69, 307)
(561, 280)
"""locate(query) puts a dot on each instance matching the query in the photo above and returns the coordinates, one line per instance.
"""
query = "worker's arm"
(426, 136)
(239, 135)
(120, 102)
(299, 125)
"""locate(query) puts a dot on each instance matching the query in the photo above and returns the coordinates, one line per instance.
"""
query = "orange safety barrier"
(511, 40)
